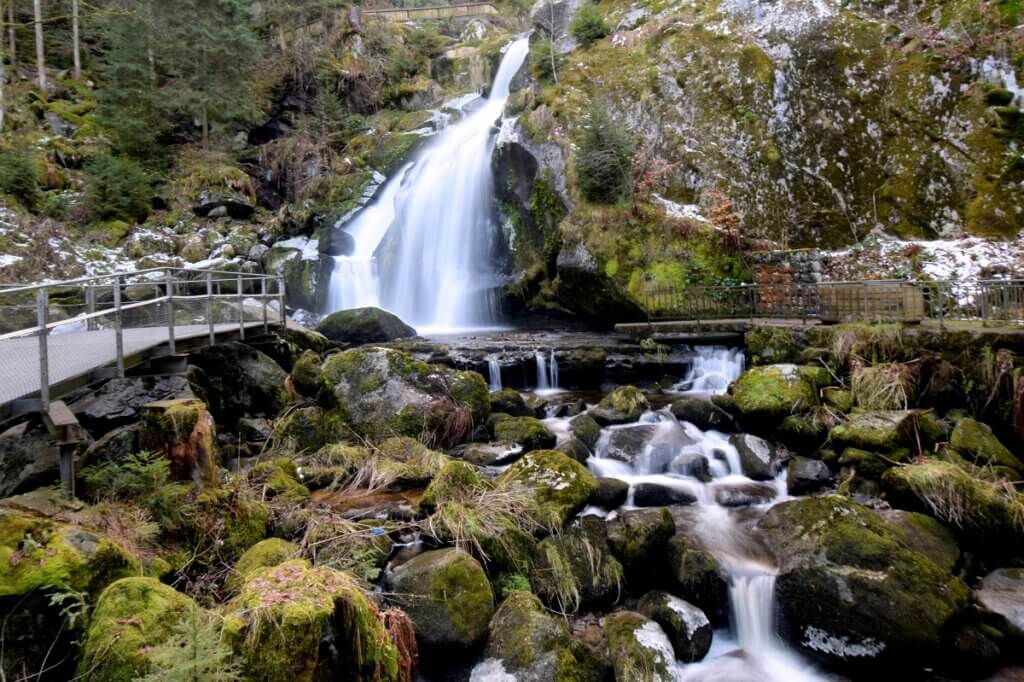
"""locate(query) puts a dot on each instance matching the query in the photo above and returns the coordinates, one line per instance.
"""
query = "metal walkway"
(58, 336)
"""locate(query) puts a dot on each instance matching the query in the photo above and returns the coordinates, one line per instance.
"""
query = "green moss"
(633, 660)
(576, 569)
(629, 401)
(306, 374)
(561, 485)
(770, 345)
(132, 616)
(838, 399)
(873, 464)
(279, 478)
(470, 389)
(528, 432)
(977, 442)
(464, 578)
(636, 536)
(266, 553)
(774, 391)
(453, 482)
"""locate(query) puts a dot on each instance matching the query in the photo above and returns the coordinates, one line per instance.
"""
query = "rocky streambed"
(306, 508)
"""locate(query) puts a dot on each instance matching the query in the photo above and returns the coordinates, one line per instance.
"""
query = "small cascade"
(553, 368)
(547, 372)
(713, 369)
(494, 370)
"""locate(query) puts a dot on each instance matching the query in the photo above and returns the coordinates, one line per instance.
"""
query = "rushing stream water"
(435, 218)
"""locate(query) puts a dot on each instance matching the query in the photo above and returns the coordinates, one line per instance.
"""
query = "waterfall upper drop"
(438, 213)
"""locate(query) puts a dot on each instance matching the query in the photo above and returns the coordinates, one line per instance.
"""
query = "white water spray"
(547, 372)
(441, 223)
(494, 370)
(713, 369)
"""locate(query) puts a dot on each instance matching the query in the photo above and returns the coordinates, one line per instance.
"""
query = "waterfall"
(543, 382)
(554, 370)
(423, 250)
(494, 369)
(713, 369)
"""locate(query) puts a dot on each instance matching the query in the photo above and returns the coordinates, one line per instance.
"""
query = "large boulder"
(364, 325)
(805, 475)
(885, 430)
(530, 433)
(384, 392)
(294, 622)
(575, 569)
(28, 459)
(586, 429)
(1002, 593)
(624, 404)
(696, 574)
(639, 648)
(759, 459)
(769, 394)
(263, 554)
(561, 485)
(703, 414)
(976, 442)
(639, 538)
(534, 646)
(448, 597)
(628, 443)
(853, 589)
(510, 401)
(687, 627)
(237, 380)
(131, 618)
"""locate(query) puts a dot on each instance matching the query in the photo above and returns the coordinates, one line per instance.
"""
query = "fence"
(988, 301)
(56, 331)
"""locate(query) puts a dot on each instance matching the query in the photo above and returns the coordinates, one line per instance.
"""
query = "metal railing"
(53, 330)
(987, 301)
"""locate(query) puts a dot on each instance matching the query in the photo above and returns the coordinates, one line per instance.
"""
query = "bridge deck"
(78, 354)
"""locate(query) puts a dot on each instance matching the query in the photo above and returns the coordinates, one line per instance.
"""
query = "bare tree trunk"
(37, 6)
(554, 70)
(10, 22)
(206, 128)
(76, 44)
(3, 73)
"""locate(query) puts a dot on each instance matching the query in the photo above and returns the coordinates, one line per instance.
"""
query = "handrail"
(18, 288)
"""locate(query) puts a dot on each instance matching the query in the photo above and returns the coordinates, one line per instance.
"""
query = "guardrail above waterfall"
(987, 301)
(55, 336)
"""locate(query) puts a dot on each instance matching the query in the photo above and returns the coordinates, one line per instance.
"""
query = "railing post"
(43, 319)
(118, 327)
(942, 325)
(209, 308)
(263, 300)
(170, 311)
(90, 306)
(280, 293)
(241, 310)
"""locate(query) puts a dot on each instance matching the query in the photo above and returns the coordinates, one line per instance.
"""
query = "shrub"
(18, 176)
(117, 189)
(588, 26)
(545, 60)
(604, 159)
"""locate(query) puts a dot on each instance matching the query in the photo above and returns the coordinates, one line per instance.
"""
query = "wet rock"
(28, 458)
(364, 325)
(698, 577)
(769, 394)
(637, 643)
(805, 475)
(658, 495)
(976, 442)
(574, 448)
(628, 444)
(586, 429)
(852, 590)
(575, 569)
(611, 493)
(530, 433)
(638, 538)
(759, 459)
(236, 381)
(561, 485)
(119, 401)
(692, 464)
(885, 430)
(623, 405)
(703, 414)
(255, 429)
(1002, 593)
(307, 374)
(803, 432)
(509, 401)
(448, 597)
(744, 494)
(535, 646)
(686, 626)
(492, 454)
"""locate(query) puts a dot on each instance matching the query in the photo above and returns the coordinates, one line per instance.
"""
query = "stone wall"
(778, 276)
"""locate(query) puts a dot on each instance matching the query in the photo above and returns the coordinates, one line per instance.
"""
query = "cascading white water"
(442, 227)
(547, 372)
(713, 369)
(553, 368)
(494, 370)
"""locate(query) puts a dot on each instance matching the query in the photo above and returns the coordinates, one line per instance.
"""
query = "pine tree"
(193, 653)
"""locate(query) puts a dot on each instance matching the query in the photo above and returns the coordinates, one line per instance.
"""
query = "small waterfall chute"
(494, 372)
(712, 370)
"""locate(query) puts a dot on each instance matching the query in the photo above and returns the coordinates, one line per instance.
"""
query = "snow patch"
(819, 640)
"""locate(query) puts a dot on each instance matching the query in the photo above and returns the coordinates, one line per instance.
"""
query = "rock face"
(853, 589)
(552, 18)
(27, 458)
(449, 598)
(1002, 593)
(237, 381)
(380, 392)
(687, 627)
(584, 288)
(364, 325)
(534, 646)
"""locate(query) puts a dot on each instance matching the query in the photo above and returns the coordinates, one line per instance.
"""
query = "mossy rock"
(306, 429)
(687, 627)
(306, 375)
(576, 569)
(533, 645)
(771, 393)
(528, 432)
(639, 648)
(873, 464)
(280, 619)
(976, 441)
(638, 539)
(839, 399)
(448, 597)
(269, 552)
(184, 431)
(561, 485)
(132, 616)
(364, 325)
(882, 430)
(39, 554)
(985, 514)
(853, 589)
(280, 480)
(803, 432)
(697, 576)
(453, 482)
(624, 404)
(510, 401)
(586, 430)
(767, 345)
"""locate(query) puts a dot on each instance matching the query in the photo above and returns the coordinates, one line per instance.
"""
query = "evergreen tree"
(604, 159)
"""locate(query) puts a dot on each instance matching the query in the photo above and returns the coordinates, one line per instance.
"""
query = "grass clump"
(884, 387)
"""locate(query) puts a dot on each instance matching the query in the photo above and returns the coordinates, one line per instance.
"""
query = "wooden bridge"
(465, 10)
(58, 336)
